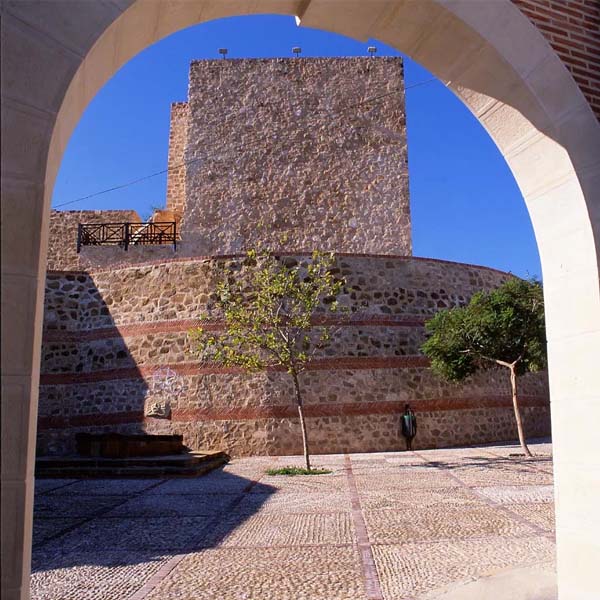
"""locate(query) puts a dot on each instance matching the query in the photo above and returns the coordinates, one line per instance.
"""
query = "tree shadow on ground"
(492, 460)
(497, 463)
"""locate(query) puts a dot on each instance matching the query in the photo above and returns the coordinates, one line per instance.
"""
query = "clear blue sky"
(465, 203)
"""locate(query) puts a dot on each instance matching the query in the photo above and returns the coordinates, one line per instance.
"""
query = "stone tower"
(295, 153)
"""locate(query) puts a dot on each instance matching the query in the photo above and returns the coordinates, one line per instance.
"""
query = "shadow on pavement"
(116, 522)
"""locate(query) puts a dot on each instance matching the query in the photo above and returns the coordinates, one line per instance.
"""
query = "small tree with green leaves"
(503, 327)
(268, 306)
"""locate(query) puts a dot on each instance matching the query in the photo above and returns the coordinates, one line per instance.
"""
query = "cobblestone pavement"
(383, 526)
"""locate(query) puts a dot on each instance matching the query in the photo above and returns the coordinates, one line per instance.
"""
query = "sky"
(465, 204)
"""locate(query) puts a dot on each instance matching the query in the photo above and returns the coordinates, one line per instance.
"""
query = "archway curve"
(495, 60)
(488, 54)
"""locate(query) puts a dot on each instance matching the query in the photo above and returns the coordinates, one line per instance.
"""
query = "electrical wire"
(338, 113)
(193, 160)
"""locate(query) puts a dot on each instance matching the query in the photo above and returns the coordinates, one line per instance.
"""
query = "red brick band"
(177, 326)
(367, 560)
(341, 409)
(154, 580)
(288, 411)
(323, 364)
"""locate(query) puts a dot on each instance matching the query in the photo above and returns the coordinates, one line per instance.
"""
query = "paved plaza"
(405, 525)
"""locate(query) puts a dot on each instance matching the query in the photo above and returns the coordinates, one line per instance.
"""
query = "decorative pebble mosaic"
(519, 494)
(387, 526)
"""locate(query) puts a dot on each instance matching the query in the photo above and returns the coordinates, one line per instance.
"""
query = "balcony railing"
(127, 234)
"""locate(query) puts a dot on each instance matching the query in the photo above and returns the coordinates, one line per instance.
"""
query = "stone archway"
(57, 56)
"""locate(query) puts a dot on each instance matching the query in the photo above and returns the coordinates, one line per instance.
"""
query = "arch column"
(56, 56)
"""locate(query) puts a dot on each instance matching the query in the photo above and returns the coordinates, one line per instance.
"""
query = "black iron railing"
(127, 234)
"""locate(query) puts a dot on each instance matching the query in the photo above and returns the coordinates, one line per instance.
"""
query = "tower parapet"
(176, 166)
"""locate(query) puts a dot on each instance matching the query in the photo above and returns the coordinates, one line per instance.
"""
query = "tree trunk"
(513, 384)
(302, 423)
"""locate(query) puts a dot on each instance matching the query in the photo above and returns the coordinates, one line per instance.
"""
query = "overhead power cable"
(246, 145)
(129, 183)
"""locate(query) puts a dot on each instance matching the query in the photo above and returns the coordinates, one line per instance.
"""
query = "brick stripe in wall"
(324, 364)
(287, 411)
(572, 27)
(176, 326)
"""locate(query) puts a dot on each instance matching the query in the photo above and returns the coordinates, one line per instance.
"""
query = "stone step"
(189, 464)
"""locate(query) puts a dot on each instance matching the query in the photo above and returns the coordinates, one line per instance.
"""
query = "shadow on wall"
(89, 380)
(117, 522)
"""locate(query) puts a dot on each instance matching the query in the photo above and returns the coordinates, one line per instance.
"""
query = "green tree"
(503, 327)
(268, 305)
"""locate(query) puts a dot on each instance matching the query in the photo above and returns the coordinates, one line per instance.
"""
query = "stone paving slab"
(106, 487)
(223, 483)
(537, 464)
(540, 514)
(51, 506)
(46, 529)
(407, 459)
(87, 576)
(306, 484)
(296, 503)
(245, 472)
(172, 505)
(538, 461)
(509, 494)
(320, 459)
(383, 468)
(479, 479)
(533, 582)
(157, 534)
(440, 522)
(46, 485)
(322, 573)
(411, 570)
(385, 526)
(538, 448)
(369, 456)
(432, 478)
(491, 463)
(407, 498)
(484, 476)
(289, 530)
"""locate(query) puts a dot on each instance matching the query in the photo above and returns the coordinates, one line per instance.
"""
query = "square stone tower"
(297, 154)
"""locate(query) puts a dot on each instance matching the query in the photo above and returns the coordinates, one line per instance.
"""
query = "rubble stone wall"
(106, 331)
(180, 288)
(62, 244)
(297, 154)
(177, 171)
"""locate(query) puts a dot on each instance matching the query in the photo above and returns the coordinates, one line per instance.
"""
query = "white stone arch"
(56, 56)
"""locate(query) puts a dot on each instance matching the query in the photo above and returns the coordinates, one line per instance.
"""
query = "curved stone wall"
(107, 330)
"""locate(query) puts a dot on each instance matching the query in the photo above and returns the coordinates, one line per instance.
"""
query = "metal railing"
(127, 234)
